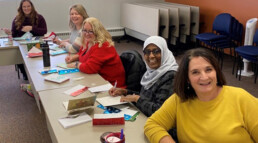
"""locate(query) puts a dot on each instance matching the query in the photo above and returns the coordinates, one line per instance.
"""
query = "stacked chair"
(226, 33)
(250, 53)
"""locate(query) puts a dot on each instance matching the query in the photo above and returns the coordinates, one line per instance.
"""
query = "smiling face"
(87, 30)
(26, 8)
(152, 56)
(202, 76)
(76, 18)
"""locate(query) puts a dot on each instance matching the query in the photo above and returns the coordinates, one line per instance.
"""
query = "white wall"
(56, 12)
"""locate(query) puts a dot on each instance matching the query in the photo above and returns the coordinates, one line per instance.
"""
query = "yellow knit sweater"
(232, 117)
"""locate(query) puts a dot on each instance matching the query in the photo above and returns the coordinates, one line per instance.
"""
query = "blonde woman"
(98, 54)
(77, 15)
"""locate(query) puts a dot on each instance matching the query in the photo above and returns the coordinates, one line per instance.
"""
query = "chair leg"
(234, 63)
(240, 68)
(238, 65)
(222, 57)
(256, 72)
(17, 69)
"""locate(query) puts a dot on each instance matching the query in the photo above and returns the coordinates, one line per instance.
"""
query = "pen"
(122, 134)
(115, 84)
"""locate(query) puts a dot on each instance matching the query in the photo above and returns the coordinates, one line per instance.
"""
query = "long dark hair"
(20, 17)
(181, 83)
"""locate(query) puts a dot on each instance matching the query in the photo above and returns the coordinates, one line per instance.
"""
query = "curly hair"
(20, 17)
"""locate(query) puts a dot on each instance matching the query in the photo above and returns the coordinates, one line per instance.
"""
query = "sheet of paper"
(32, 42)
(63, 65)
(69, 122)
(65, 103)
(58, 52)
(128, 112)
(75, 88)
(110, 100)
(54, 47)
(100, 88)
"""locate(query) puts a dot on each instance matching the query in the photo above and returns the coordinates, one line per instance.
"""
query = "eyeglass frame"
(154, 52)
(90, 32)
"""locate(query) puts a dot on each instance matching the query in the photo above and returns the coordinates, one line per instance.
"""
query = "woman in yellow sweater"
(203, 108)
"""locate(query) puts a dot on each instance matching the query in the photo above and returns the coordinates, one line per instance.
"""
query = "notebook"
(56, 78)
(58, 52)
(35, 52)
(80, 104)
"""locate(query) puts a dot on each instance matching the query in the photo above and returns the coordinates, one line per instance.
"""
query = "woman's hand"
(57, 41)
(26, 28)
(7, 31)
(117, 91)
(63, 44)
(167, 139)
(71, 65)
(130, 98)
(68, 59)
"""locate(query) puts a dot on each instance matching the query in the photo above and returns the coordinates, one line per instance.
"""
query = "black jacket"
(134, 69)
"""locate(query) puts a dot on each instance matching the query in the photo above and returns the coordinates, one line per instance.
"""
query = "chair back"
(222, 24)
(240, 28)
(134, 69)
(256, 37)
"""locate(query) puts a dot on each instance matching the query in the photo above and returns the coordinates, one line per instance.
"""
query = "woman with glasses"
(77, 15)
(98, 54)
(157, 81)
(203, 108)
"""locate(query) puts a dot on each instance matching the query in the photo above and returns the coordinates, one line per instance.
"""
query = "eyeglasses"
(154, 52)
(88, 32)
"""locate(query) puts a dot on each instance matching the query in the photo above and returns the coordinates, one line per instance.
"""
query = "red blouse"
(104, 61)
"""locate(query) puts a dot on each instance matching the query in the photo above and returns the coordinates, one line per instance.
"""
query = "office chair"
(17, 69)
(134, 69)
(250, 53)
(237, 42)
(221, 35)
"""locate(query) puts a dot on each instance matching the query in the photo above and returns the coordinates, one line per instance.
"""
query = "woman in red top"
(98, 54)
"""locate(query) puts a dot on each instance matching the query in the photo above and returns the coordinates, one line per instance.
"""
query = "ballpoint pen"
(122, 134)
(115, 84)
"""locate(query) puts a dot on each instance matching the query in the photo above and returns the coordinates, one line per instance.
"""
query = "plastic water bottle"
(28, 37)
(46, 55)
(10, 40)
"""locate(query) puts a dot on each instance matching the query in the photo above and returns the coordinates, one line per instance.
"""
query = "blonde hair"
(81, 11)
(101, 34)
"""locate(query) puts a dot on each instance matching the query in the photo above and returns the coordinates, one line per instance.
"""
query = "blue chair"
(250, 53)
(221, 35)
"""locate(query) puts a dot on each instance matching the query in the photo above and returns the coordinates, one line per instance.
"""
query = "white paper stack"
(69, 122)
